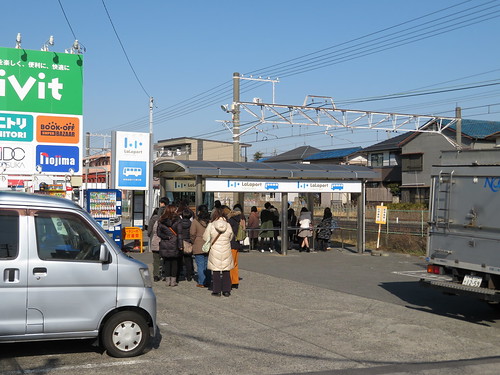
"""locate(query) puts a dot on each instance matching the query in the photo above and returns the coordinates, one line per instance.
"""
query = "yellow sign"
(133, 233)
(381, 215)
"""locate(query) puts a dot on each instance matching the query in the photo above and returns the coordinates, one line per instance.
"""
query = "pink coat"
(253, 223)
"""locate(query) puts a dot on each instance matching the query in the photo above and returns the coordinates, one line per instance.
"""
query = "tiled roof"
(393, 143)
(478, 129)
(333, 154)
(297, 154)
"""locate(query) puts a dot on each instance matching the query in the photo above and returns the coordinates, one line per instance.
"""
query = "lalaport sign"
(40, 112)
(130, 153)
(282, 186)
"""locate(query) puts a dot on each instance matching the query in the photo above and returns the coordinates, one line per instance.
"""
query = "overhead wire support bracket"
(344, 118)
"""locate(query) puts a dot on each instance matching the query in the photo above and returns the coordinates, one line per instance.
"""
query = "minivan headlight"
(146, 278)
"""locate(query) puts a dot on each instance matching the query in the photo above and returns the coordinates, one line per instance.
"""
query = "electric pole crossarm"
(332, 117)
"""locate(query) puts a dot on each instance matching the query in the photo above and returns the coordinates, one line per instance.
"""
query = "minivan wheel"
(125, 334)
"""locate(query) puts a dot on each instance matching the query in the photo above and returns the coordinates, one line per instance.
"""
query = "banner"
(41, 105)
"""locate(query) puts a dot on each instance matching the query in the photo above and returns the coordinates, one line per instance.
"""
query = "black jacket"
(234, 221)
(186, 225)
(170, 233)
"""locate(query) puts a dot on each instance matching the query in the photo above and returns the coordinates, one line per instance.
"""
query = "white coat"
(220, 257)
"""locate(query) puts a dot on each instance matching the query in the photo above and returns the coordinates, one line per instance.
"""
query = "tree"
(257, 156)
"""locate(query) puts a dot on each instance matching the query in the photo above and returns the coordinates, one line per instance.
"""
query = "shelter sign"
(41, 102)
(181, 185)
(130, 156)
(282, 186)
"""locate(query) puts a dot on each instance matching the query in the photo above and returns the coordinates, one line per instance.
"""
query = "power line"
(213, 96)
(124, 51)
(67, 20)
(258, 71)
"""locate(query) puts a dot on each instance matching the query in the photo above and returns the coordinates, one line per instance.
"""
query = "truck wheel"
(125, 334)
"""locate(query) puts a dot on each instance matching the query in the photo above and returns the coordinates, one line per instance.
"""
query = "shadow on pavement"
(433, 301)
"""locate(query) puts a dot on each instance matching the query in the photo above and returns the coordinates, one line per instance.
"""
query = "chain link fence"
(405, 230)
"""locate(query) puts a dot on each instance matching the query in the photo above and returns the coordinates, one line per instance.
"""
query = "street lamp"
(48, 43)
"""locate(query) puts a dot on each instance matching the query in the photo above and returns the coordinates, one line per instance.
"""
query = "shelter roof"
(255, 170)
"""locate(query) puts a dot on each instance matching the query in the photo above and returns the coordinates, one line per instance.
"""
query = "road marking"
(78, 367)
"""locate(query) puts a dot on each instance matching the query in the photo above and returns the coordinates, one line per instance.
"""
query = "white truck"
(463, 250)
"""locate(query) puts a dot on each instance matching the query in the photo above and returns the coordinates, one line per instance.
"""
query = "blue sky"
(185, 52)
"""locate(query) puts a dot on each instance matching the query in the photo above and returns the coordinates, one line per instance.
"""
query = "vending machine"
(105, 206)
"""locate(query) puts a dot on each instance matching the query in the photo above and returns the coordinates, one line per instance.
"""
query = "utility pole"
(149, 201)
(458, 115)
(235, 110)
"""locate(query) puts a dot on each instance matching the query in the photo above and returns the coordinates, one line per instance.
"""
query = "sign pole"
(380, 218)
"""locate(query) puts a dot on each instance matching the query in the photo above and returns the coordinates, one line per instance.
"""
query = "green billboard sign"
(42, 82)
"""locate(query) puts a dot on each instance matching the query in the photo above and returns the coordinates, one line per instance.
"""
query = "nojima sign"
(41, 110)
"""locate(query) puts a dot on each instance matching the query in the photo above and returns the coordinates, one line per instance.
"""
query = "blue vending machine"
(105, 206)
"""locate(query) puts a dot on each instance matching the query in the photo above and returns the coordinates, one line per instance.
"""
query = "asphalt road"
(324, 313)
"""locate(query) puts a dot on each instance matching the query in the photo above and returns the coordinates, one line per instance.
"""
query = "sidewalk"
(333, 311)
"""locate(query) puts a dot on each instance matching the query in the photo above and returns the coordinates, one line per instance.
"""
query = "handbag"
(187, 247)
(208, 244)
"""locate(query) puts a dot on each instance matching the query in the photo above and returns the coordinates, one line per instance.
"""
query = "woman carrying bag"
(171, 247)
(220, 257)
(197, 230)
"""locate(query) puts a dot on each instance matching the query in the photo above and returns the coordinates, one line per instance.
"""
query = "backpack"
(241, 235)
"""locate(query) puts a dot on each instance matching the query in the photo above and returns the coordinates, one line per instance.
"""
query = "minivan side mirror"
(104, 254)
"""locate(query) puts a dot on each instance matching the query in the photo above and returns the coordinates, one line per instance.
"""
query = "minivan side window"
(62, 236)
(9, 234)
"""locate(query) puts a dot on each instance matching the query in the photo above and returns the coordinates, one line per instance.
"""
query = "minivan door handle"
(39, 272)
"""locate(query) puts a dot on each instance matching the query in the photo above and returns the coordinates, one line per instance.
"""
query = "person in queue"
(196, 231)
(305, 229)
(170, 233)
(220, 257)
(154, 240)
(236, 219)
(253, 226)
(187, 257)
(266, 228)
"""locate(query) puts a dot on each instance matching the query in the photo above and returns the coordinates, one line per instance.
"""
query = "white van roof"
(28, 199)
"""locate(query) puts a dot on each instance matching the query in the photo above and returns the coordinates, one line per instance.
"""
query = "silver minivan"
(63, 277)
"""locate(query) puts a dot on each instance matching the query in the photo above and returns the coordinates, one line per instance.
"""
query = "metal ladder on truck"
(443, 187)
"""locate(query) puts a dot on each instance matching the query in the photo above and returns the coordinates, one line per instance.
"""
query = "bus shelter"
(278, 178)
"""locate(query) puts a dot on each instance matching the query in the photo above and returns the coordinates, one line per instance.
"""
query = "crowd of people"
(177, 235)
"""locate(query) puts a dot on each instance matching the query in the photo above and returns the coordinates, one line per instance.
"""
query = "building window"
(393, 159)
(377, 160)
(411, 162)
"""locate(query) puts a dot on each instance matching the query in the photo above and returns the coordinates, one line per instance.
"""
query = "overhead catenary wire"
(67, 20)
(124, 51)
(212, 97)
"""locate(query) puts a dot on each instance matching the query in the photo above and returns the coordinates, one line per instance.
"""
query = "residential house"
(421, 151)
(385, 158)
(405, 161)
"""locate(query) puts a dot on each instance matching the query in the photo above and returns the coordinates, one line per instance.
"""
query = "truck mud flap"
(485, 294)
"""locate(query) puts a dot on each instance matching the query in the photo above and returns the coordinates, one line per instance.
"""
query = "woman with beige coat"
(220, 257)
